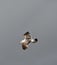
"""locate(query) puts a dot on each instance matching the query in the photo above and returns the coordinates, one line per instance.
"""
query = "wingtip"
(26, 33)
(24, 47)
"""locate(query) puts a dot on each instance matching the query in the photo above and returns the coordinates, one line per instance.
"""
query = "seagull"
(27, 40)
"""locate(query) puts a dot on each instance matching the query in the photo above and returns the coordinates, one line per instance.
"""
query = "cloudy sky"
(39, 17)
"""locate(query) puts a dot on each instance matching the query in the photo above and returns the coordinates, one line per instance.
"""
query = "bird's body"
(27, 40)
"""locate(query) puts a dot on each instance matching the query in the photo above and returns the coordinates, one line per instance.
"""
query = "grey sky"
(37, 16)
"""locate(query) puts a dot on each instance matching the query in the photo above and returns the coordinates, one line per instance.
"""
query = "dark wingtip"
(24, 47)
(26, 33)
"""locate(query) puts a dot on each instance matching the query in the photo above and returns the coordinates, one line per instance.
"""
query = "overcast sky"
(39, 17)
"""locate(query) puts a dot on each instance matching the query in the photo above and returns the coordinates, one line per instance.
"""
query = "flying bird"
(27, 40)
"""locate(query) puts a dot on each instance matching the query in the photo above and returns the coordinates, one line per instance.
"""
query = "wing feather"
(27, 35)
(24, 46)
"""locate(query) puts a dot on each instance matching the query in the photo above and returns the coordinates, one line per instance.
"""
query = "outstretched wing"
(27, 35)
(24, 46)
